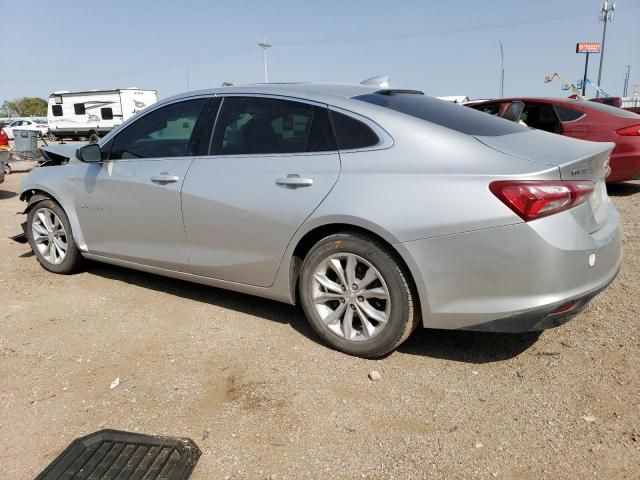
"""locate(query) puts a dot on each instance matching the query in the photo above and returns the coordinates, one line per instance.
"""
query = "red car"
(579, 119)
(4, 139)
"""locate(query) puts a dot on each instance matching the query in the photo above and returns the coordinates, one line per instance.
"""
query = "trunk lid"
(575, 159)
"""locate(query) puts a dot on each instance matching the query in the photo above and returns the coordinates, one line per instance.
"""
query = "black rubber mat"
(114, 455)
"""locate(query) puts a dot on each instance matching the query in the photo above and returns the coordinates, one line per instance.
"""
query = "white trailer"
(93, 113)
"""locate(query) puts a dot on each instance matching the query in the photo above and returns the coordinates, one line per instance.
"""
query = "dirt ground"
(248, 380)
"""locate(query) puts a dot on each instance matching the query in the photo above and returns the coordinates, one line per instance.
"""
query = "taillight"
(537, 199)
(632, 131)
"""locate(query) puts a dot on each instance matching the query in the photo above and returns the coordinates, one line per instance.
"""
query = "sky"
(439, 47)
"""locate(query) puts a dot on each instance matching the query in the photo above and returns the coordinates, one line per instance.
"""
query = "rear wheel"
(51, 239)
(357, 295)
(94, 137)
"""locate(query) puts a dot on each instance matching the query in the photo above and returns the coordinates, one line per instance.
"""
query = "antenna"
(264, 45)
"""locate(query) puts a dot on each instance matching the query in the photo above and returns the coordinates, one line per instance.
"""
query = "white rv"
(92, 114)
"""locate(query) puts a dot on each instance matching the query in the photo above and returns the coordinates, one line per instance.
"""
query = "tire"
(7, 169)
(94, 137)
(44, 219)
(388, 294)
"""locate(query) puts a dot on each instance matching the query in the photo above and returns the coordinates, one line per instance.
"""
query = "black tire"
(94, 137)
(7, 169)
(404, 311)
(73, 260)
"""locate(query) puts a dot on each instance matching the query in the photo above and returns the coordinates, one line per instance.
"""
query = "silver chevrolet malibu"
(379, 210)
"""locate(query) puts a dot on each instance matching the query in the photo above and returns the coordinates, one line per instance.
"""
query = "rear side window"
(56, 110)
(351, 133)
(446, 114)
(252, 125)
(79, 108)
(106, 113)
(568, 114)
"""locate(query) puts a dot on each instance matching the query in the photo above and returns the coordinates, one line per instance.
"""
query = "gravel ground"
(248, 380)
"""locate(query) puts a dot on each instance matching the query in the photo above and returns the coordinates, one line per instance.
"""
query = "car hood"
(59, 153)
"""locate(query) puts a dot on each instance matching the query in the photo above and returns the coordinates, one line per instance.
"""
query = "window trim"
(269, 97)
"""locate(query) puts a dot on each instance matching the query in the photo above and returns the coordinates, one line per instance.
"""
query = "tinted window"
(56, 110)
(248, 125)
(106, 113)
(493, 109)
(351, 133)
(568, 114)
(163, 133)
(446, 114)
(79, 108)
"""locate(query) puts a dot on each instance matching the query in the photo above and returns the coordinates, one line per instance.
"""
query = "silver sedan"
(379, 210)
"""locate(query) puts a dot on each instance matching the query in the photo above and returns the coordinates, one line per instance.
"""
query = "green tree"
(25, 107)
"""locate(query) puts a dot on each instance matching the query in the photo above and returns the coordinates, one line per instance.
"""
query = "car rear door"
(272, 162)
(129, 205)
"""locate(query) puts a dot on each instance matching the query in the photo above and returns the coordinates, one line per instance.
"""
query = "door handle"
(164, 178)
(294, 180)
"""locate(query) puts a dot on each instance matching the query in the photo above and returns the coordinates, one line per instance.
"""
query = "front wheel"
(357, 295)
(94, 137)
(50, 237)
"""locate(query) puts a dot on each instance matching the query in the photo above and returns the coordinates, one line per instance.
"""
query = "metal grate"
(115, 455)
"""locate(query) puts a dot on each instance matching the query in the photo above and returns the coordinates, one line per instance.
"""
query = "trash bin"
(25, 140)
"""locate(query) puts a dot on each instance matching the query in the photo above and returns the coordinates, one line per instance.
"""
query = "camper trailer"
(94, 113)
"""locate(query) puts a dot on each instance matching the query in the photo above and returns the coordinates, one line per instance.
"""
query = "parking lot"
(250, 383)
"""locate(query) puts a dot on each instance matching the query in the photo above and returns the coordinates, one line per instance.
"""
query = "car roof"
(321, 92)
(554, 100)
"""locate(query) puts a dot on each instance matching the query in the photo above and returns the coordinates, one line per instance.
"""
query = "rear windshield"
(446, 114)
(618, 112)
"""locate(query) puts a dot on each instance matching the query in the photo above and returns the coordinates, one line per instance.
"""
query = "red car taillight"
(632, 131)
(537, 199)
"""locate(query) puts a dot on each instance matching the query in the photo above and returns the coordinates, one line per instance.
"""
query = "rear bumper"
(624, 166)
(512, 278)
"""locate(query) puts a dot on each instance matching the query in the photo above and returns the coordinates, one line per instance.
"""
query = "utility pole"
(627, 73)
(501, 70)
(264, 45)
(606, 15)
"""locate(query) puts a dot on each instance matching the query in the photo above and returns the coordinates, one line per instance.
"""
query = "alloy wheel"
(351, 297)
(49, 236)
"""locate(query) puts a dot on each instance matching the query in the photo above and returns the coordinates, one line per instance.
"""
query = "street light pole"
(264, 45)
(501, 70)
(606, 15)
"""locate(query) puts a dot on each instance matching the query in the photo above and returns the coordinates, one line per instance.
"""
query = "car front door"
(272, 162)
(129, 205)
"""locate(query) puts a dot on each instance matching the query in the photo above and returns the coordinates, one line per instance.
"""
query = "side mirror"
(89, 153)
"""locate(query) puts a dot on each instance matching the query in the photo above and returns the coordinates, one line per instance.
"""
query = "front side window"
(251, 125)
(56, 110)
(491, 109)
(79, 108)
(162, 133)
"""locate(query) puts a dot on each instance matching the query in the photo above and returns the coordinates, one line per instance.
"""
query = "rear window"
(618, 112)
(568, 114)
(446, 114)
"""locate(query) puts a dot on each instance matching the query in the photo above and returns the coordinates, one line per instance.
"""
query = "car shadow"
(467, 346)
(5, 194)
(622, 189)
(260, 307)
(456, 345)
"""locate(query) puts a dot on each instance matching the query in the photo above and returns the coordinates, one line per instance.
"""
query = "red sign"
(588, 47)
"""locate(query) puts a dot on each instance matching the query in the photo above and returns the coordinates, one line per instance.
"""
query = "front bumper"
(512, 278)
